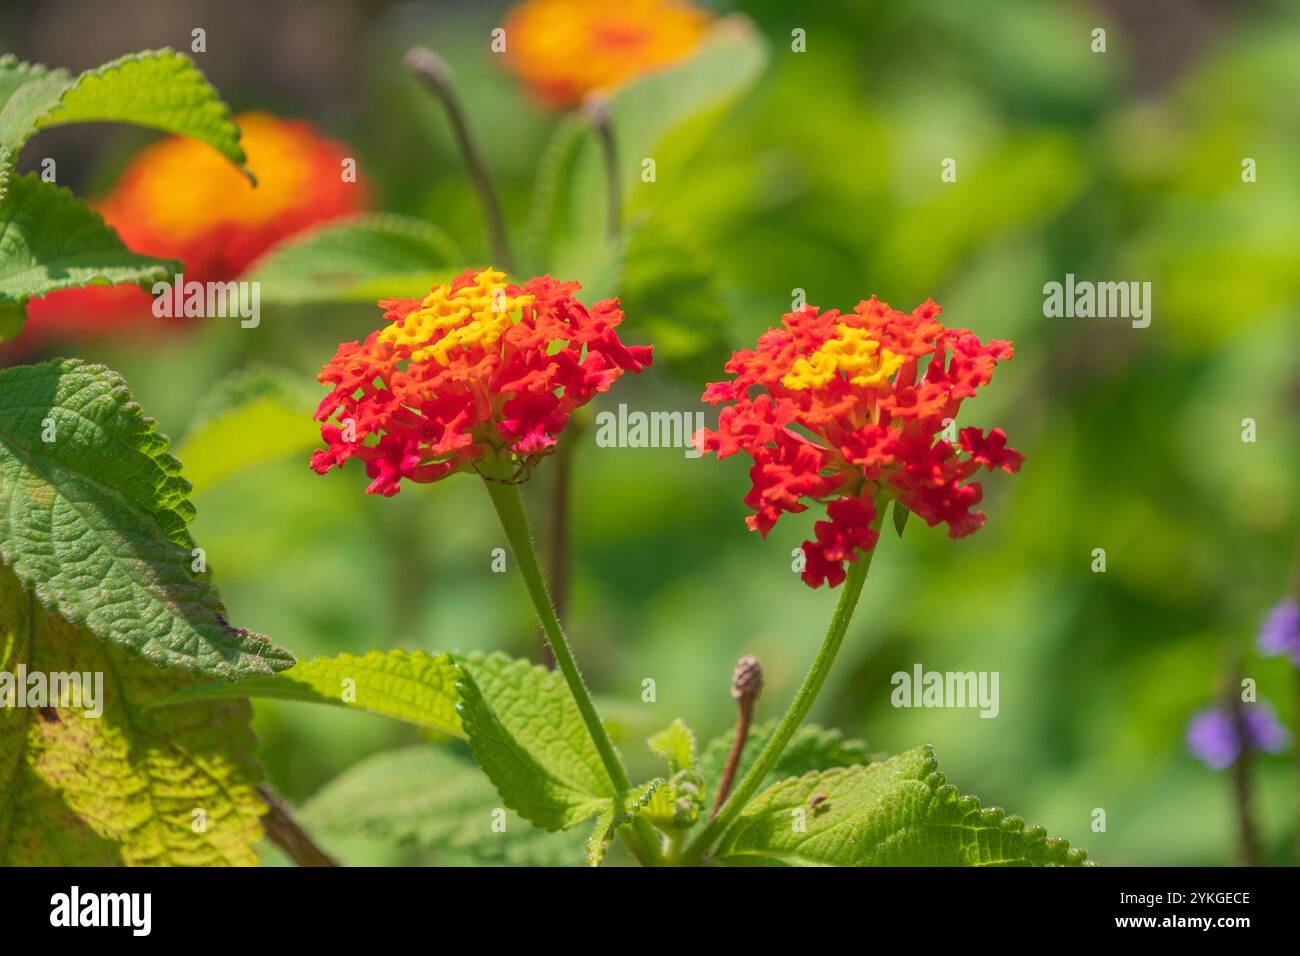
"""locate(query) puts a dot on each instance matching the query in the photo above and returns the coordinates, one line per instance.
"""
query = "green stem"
(799, 707)
(510, 509)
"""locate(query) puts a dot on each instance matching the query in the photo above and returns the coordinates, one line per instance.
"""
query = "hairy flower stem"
(799, 707)
(437, 75)
(510, 510)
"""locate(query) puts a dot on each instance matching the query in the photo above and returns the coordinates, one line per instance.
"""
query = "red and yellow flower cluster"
(566, 49)
(181, 199)
(477, 374)
(847, 409)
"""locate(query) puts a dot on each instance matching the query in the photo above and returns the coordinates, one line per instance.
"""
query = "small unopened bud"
(747, 679)
(424, 62)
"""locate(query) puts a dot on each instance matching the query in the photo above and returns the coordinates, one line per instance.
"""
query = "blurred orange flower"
(181, 199)
(566, 49)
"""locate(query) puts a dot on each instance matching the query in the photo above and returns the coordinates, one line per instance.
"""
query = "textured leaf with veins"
(50, 240)
(529, 738)
(160, 89)
(124, 787)
(95, 521)
(410, 686)
(895, 813)
(434, 800)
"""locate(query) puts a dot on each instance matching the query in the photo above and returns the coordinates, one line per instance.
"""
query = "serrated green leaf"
(428, 797)
(96, 521)
(675, 745)
(159, 89)
(410, 686)
(569, 221)
(529, 738)
(27, 92)
(811, 748)
(124, 787)
(896, 813)
(523, 726)
(617, 812)
(253, 417)
(51, 240)
(362, 259)
(901, 514)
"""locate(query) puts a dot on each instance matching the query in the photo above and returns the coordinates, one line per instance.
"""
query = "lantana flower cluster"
(478, 374)
(850, 409)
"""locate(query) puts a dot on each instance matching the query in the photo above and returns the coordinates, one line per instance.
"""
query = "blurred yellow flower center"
(854, 352)
(189, 185)
(477, 314)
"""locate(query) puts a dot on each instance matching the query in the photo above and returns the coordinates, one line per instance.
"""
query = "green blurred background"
(824, 176)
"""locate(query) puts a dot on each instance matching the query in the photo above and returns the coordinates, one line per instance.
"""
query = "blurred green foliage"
(825, 178)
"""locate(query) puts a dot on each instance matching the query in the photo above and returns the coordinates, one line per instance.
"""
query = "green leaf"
(410, 686)
(901, 513)
(121, 788)
(521, 721)
(811, 748)
(51, 240)
(675, 745)
(160, 89)
(363, 259)
(250, 418)
(427, 797)
(27, 92)
(618, 812)
(896, 813)
(529, 738)
(569, 221)
(94, 515)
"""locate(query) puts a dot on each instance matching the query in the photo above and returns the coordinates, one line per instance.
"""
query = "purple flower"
(1212, 734)
(1281, 631)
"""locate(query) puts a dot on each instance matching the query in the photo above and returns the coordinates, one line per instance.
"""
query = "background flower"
(181, 199)
(1280, 633)
(565, 49)
(1212, 736)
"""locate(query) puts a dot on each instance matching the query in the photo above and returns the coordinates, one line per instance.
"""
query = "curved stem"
(799, 707)
(510, 509)
(598, 111)
(437, 76)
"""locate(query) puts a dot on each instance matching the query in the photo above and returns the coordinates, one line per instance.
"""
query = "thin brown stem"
(598, 110)
(746, 685)
(437, 76)
(1248, 838)
(287, 833)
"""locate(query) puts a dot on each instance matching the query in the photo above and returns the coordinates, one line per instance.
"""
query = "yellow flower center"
(477, 314)
(854, 353)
